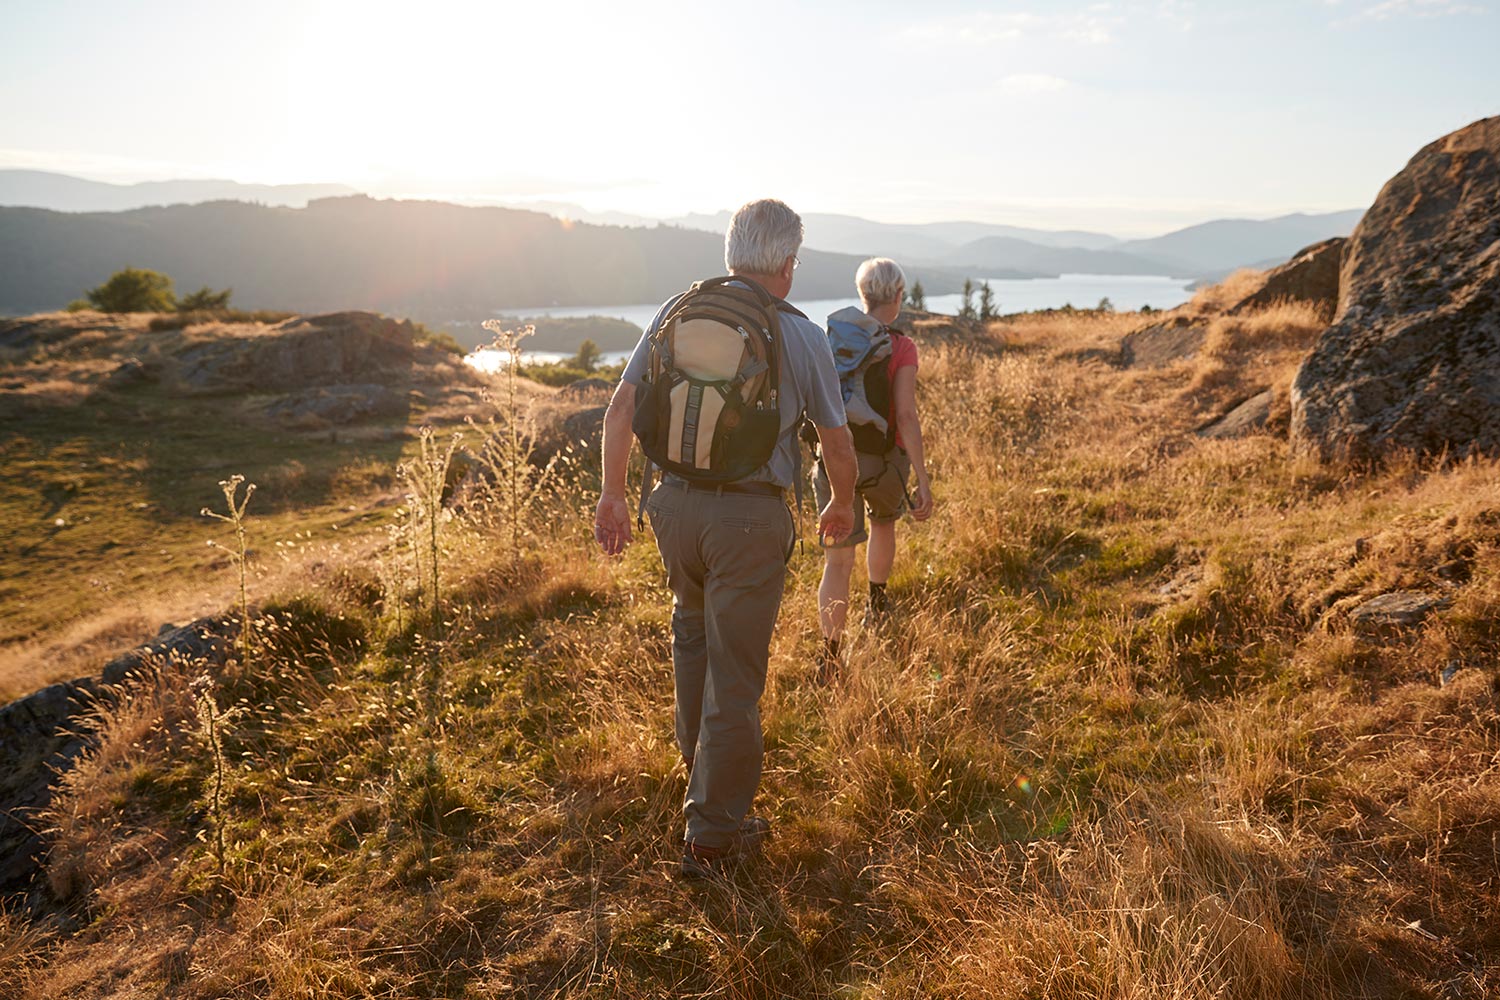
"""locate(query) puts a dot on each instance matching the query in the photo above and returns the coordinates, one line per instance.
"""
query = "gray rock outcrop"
(303, 351)
(1310, 277)
(321, 406)
(1392, 613)
(42, 734)
(1247, 417)
(586, 387)
(1412, 360)
(1162, 343)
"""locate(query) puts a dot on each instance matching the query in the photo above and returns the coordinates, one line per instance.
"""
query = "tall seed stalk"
(510, 442)
(209, 721)
(239, 554)
(392, 569)
(427, 478)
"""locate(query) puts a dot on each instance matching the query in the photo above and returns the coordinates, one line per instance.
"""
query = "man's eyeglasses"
(796, 262)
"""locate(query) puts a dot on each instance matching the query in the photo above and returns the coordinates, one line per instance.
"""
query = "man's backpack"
(861, 349)
(708, 408)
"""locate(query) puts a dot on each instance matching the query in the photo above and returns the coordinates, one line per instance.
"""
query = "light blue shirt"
(809, 383)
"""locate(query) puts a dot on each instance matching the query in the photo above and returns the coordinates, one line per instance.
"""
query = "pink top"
(903, 355)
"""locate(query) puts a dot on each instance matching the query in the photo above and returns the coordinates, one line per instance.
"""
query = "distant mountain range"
(430, 260)
(62, 193)
(1207, 250)
(929, 242)
(427, 257)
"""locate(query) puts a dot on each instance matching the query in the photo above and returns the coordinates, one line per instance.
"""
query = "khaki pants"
(725, 556)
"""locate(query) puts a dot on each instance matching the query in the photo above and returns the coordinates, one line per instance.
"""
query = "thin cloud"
(1092, 27)
(1388, 10)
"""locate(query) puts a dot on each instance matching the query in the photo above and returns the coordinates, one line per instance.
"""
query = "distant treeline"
(431, 260)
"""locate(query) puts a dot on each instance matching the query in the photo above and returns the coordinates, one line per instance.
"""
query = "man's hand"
(921, 508)
(612, 516)
(835, 522)
(612, 524)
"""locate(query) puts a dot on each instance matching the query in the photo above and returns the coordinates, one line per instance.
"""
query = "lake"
(1127, 292)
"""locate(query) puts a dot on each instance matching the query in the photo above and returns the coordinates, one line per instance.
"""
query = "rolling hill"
(1222, 245)
(431, 260)
(1210, 249)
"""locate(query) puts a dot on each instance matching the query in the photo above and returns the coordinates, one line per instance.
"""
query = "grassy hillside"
(101, 536)
(1123, 741)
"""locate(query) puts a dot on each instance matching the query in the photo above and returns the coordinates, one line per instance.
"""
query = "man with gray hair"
(725, 548)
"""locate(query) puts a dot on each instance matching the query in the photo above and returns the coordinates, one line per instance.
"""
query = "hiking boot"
(827, 661)
(879, 609)
(700, 861)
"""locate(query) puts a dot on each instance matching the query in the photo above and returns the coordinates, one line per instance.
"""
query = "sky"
(1128, 116)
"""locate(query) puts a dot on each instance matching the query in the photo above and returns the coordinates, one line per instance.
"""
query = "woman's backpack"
(861, 349)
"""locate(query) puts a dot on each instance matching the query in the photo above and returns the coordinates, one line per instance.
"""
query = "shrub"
(205, 298)
(440, 339)
(588, 356)
(134, 290)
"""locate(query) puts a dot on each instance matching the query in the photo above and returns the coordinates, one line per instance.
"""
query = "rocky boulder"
(1412, 360)
(1311, 276)
(586, 388)
(935, 328)
(1393, 613)
(1249, 416)
(42, 735)
(301, 352)
(1162, 343)
(579, 431)
(321, 406)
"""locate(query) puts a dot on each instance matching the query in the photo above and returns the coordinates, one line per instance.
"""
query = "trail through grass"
(1120, 742)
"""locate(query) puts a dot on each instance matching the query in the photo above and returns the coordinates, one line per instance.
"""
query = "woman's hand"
(922, 502)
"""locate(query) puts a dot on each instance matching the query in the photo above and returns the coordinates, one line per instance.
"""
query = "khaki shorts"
(881, 487)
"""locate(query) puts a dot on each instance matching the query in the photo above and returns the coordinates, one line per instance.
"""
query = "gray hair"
(761, 236)
(879, 281)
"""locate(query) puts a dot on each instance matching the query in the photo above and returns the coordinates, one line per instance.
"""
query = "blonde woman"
(878, 368)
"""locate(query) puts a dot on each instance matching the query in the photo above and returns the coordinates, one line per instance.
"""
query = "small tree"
(205, 298)
(987, 310)
(134, 290)
(1105, 305)
(917, 298)
(588, 356)
(966, 306)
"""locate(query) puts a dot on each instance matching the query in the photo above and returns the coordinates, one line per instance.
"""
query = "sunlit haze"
(1127, 117)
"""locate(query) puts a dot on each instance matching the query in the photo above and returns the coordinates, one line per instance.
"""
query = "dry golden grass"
(1123, 744)
(1211, 300)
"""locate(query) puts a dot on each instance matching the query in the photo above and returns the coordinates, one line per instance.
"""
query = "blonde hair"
(879, 281)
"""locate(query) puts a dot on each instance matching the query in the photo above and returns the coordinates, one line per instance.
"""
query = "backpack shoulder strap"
(648, 470)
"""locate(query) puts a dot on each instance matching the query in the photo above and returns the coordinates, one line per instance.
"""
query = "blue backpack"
(861, 348)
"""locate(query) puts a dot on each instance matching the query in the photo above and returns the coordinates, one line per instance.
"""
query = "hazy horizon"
(553, 207)
(1131, 117)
